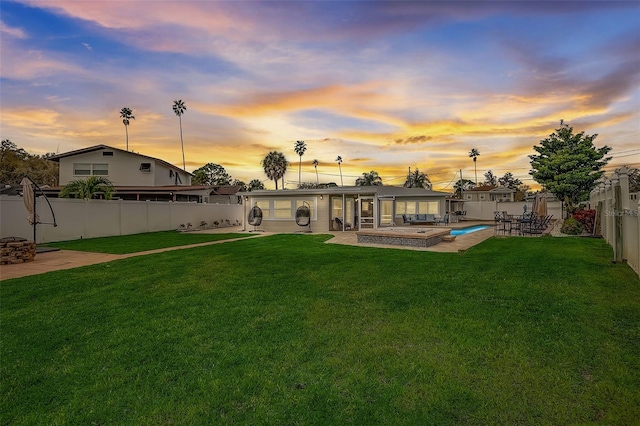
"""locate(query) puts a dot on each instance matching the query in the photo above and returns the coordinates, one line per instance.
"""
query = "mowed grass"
(141, 242)
(288, 330)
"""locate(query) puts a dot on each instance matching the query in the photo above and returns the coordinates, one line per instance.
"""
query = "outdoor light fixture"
(321, 197)
(246, 198)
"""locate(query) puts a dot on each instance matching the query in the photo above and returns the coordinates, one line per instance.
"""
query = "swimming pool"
(468, 230)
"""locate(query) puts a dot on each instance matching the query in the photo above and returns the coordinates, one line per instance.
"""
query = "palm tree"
(87, 188)
(369, 179)
(474, 153)
(179, 108)
(255, 185)
(275, 166)
(300, 149)
(315, 164)
(127, 115)
(339, 160)
(417, 179)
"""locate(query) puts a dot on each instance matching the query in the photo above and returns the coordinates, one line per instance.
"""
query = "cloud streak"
(386, 85)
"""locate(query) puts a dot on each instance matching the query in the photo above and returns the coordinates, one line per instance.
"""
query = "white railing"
(617, 217)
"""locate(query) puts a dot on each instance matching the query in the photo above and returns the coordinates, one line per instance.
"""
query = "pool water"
(468, 230)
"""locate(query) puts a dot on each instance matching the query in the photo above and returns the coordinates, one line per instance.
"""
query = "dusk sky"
(384, 85)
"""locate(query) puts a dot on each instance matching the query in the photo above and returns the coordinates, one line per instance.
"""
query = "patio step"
(448, 238)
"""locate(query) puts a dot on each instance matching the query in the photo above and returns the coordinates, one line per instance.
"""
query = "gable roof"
(57, 157)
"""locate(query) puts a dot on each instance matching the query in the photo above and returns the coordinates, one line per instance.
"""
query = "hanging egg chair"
(255, 218)
(303, 216)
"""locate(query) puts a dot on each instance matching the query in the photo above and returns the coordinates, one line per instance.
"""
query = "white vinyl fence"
(101, 218)
(617, 217)
(483, 210)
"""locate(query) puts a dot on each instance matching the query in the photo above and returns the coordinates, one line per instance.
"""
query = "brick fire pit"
(16, 250)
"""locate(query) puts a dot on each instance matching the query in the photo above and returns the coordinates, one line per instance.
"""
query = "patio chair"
(347, 226)
(526, 223)
(442, 220)
(540, 225)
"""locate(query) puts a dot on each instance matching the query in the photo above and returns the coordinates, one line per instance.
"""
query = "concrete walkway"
(67, 259)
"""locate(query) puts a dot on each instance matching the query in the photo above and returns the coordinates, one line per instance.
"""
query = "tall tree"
(510, 181)
(179, 108)
(127, 115)
(474, 153)
(88, 188)
(339, 161)
(417, 179)
(369, 179)
(634, 179)
(463, 185)
(490, 179)
(568, 164)
(211, 174)
(275, 166)
(255, 185)
(243, 186)
(315, 165)
(16, 163)
(300, 149)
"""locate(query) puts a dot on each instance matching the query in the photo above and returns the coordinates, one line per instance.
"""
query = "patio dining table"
(511, 223)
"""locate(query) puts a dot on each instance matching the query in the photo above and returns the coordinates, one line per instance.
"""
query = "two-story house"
(136, 176)
(122, 168)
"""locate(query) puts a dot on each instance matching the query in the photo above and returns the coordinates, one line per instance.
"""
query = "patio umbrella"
(29, 199)
(533, 203)
(541, 205)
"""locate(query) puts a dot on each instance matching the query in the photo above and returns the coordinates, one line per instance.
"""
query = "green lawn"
(288, 330)
(141, 242)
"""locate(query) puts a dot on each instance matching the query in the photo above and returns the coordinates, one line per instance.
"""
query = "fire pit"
(16, 250)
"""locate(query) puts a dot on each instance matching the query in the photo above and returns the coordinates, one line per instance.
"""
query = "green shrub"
(571, 227)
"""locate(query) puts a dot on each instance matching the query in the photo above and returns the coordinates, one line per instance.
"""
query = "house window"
(145, 167)
(336, 207)
(428, 207)
(90, 169)
(264, 206)
(282, 209)
(405, 207)
(107, 153)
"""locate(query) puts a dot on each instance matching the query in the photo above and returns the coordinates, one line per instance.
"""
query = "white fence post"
(620, 221)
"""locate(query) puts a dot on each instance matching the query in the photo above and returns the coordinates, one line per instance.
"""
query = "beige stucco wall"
(124, 169)
(100, 218)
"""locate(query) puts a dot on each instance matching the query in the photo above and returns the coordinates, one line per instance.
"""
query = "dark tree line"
(16, 163)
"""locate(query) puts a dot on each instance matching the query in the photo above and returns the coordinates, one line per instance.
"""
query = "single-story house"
(354, 207)
(489, 193)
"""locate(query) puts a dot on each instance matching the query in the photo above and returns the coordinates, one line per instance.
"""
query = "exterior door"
(366, 212)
